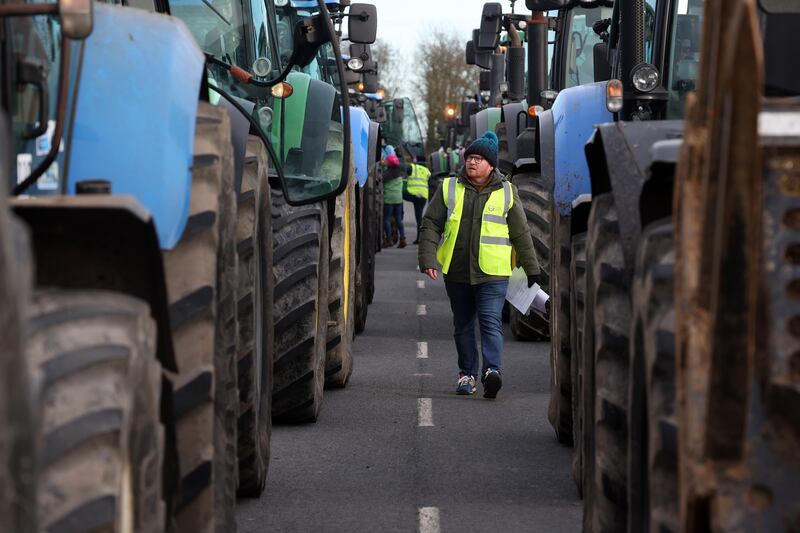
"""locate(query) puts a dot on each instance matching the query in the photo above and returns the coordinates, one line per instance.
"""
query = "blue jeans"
(396, 211)
(484, 301)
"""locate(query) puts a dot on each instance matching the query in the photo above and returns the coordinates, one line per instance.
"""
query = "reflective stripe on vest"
(494, 252)
(418, 181)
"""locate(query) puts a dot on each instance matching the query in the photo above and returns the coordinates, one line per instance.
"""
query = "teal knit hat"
(485, 147)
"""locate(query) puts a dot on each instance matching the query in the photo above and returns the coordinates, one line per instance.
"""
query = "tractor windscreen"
(684, 54)
(401, 129)
(582, 40)
(34, 45)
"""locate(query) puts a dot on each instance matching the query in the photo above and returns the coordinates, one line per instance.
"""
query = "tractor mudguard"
(374, 153)
(240, 131)
(655, 200)
(106, 242)
(574, 115)
(485, 120)
(515, 117)
(619, 156)
(545, 152)
(359, 133)
(139, 136)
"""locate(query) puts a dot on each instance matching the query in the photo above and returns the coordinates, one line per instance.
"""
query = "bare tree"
(392, 70)
(445, 79)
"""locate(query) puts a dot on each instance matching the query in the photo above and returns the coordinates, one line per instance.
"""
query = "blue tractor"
(144, 202)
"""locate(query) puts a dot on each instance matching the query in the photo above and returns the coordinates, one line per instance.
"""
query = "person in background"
(393, 201)
(416, 190)
(481, 217)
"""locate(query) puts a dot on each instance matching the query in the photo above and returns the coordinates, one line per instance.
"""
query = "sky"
(402, 23)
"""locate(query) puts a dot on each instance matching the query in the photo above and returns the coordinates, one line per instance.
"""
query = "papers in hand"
(525, 298)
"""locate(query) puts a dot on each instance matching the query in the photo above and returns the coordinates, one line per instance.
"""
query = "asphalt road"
(379, 460)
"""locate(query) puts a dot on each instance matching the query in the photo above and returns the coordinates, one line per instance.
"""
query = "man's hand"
(431, 273)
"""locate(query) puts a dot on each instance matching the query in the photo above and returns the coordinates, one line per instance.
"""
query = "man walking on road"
(393, 201)
(481, 217)
(416, 191)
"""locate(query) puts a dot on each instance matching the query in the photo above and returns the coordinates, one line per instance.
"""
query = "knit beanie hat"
(392, 160)
(485, 147)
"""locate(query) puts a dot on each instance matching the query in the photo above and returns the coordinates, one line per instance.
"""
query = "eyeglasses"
(474, 159)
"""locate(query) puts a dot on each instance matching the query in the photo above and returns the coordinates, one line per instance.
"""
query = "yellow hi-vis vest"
(418, 181)
(494, 255)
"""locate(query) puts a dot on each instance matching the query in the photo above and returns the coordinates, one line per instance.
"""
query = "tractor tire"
(201, 274)
(559, 411)
(255, 308)
(365, 263)
(300, 261)
(100, 435)
(341, 292)
(611, 318)
(536, 196)
(577, 276)
(18, 405)
(653, 466)
(375, 231)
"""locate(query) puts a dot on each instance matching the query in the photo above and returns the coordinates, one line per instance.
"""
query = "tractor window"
(580, 44)
(650, 29)
(684, 54)
(34, 43)
(217, 26)
(261, 31)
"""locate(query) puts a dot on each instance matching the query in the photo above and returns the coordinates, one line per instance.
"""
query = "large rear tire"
(653, 465)
(201, 276)
(256, 334)
(611, 318)
(536, 196)
(560, 408)
(576, 317)
(18, 406)
(101, 438)
(300, 265)
(341, 284)
(365, 254)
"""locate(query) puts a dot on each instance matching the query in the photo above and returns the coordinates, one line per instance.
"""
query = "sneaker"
(466, 385)
(491, 383)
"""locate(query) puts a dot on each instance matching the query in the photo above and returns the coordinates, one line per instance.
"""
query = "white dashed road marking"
(422, 310)
(420, 283)
(429, 520)
(425, 412)
(422, 350)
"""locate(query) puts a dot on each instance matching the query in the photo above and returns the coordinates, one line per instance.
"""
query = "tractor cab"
(401, 128)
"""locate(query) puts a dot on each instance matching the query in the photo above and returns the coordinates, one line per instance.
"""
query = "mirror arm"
(61, 113)
(243, 76)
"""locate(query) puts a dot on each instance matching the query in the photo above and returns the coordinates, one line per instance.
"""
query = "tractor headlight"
(281, 3)
(265, 115)
(355, 64)
(262, 67)
(645, 77)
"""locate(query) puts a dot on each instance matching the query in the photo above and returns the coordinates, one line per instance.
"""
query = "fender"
(485, 120)
(515, 124)
(619, 156)
(374, 154)
(142, 138)
(655, 200)
(574, 115)
(101, 242)
(359, 133)
(240, 131)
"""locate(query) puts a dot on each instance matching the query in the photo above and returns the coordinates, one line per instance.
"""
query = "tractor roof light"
(355, 64)
(614, 96)
(645, 77)
(282, 90)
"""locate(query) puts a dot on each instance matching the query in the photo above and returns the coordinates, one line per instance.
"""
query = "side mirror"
(362, 24)
(547, 5)
(309, 34)
(76, 18)
(602, 68)
(491, 20)
(470, 53)
(468, 108)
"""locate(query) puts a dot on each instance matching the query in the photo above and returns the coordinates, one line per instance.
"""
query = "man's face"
(477, 167)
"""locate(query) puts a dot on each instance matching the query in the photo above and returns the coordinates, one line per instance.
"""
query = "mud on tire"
(341, 293)
(101, 439)
(536, 197)
(577, 275)
(611, 315)
(653, 464)
(201, 284)
(300, 265)
(255, 308)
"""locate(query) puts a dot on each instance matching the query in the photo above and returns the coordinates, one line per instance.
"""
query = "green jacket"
(464, 266)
